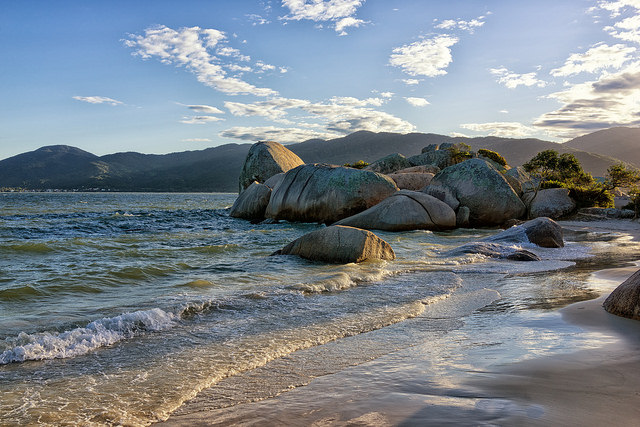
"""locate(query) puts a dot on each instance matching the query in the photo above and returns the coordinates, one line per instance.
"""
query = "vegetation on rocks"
(492, 155)
(360, 164)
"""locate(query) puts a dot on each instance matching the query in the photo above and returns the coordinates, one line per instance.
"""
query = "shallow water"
(117, 308)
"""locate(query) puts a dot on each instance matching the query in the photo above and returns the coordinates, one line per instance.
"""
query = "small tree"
(492, 155)
(460, 152)
(619, 175)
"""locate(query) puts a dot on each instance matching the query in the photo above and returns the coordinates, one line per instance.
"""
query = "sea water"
(117, 308)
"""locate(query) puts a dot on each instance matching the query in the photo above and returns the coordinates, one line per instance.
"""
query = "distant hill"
(218, 168)
(621, 143)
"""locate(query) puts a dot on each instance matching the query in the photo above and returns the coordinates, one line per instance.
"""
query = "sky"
(167, 76)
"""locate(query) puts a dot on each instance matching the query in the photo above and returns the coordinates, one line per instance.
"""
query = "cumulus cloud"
(611, 100)
(191, 48)
(417, 102)
(205, 109)
(200, 120)
(274, 109)
(428, 57)
(460, 24)
(341, 12)
(98, 100)
(598, 58)
(281, 135)
(615, 7)
(501, 129)
(512, 80)
(411, 82)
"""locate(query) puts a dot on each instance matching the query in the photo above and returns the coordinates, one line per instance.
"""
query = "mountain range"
(218, 168)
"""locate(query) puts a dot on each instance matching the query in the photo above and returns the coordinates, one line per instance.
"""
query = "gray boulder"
(327, 193)
(430, 147)
(265, 159)
(542, 231)
(519, 179)
(462, 216)
(420, 169)
(411, 181)
(439, 158)
(551, 202)
(338, 244)
(252, 202)
(389, 164)
(625, 299)
(477, 185)
(495, 250)
(275, 180)
(404, 210)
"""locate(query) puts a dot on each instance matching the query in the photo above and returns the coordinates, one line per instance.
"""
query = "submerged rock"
(496, 250)
(339, 244)
(265, 159)
(479, 186)
(551, 202)
(625, 299)
(327, 193)
(542, 231)
(389, 164)
(405, 210)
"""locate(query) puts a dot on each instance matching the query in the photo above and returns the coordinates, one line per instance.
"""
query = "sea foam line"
(80, 341)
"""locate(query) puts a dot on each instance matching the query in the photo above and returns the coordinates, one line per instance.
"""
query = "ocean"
(117, 308)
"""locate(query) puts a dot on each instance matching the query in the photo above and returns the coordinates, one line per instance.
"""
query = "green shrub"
(552, 184)
(492, 155)
(360, 164)
(587, 196)
(460, 152)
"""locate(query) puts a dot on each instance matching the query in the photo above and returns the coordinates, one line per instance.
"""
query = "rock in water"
(339, 244)
(542, 231)
(625, 299)
(252, 202)
(405, 210)
(480, 187)
(389, 164)
(551, 202)
(265, 159)
(327, 193)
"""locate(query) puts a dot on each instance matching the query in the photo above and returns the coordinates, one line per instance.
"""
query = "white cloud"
(190, 48)
(257, 19)
(200, 120)
(417, 102)
(599, 57)
(339, 11)
(460, 24)
(196, 140)
(271, 133)
(98, 100)
(615, 7)
(386, 94)
(504, 111)
(355, 102)
(459, 135)
(611, 100)
(501, 129)
(205, 109)
(274, 109)
(411, 82)
(512, 80)
(628, 29)
(428, 57)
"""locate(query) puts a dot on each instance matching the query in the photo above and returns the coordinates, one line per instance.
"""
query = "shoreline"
(592, 386)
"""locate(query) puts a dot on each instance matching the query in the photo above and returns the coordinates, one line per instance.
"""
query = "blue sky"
(166, 76)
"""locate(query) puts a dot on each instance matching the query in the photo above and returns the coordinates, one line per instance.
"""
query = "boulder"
(439, 158)
(477, 185)
(411, 181)
(496, 250)
(252, 202)
(519, 179)
(625, 299)
(389, 164)
(275, 180)
(551, 202)
(542, 231)
(443, 194)
(327, 193)
(405, 210)
(338, 244)
(430, 147)
(420, 169)
(265, 159)
(462, 217)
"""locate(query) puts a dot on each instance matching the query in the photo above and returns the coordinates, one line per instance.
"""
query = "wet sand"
(472, 375)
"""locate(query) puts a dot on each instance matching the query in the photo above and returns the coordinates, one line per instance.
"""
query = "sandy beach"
(575, 365)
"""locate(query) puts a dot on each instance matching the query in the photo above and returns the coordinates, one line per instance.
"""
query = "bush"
(552, 184)
(360, 164)
(460, 152)
(492, 155)
(587, 196)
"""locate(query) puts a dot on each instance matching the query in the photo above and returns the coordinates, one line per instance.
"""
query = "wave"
(80, 341)
(30, 247)
(20, 293)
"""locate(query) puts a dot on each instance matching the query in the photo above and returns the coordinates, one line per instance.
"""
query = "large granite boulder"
(411, 181)
(477, 185)
(338, 244)
(327, 193)
(519, 179)
(252, 202)
(420, 169)
(551, 202)
(265, 159)
(405, 210)
(495, 250)
(439, 158)
(542, 231)
(389, 164)
(625, 299)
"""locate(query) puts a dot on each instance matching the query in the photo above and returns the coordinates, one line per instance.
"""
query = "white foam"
(79, 341)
